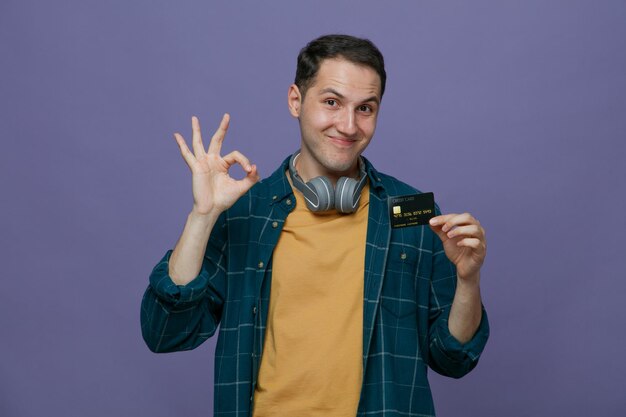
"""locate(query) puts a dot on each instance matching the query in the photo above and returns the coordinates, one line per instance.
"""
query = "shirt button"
(274, 197)
(261, 264)
(403, 256)
(274, 225)
(288, 201)
(254, 310)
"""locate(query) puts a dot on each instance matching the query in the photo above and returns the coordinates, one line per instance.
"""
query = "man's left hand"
(464, 243)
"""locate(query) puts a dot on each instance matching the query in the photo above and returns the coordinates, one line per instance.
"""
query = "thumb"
(251, 178)
(442, 235)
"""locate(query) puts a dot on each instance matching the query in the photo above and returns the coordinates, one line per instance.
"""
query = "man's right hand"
(213, 192)
(213, 189)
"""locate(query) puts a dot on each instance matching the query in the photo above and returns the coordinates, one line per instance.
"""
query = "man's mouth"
(341, 141)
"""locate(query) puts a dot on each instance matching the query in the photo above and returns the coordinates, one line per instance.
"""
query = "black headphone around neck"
(320, 195)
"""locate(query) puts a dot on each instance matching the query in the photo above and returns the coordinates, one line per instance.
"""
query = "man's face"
(337, 118)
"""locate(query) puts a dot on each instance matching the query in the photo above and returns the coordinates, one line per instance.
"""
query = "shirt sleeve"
(447, 355)
(181, 317)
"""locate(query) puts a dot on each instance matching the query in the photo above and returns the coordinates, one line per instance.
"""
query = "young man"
(324, 309)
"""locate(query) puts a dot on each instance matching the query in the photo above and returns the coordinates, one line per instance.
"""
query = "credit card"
(411, 210)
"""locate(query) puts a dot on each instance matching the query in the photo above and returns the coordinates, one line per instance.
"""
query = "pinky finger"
(184, 149)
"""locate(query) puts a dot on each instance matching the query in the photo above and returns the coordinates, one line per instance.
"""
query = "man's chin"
(341, 168)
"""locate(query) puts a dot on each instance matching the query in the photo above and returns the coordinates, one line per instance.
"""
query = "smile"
(343, 142)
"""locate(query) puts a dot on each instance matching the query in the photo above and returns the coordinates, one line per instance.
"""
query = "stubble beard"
(333, 165)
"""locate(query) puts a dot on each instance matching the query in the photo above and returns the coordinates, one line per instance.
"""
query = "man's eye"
(331, 102)
(365, 108)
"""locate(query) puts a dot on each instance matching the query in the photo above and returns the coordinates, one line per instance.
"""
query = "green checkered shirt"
(408, 289)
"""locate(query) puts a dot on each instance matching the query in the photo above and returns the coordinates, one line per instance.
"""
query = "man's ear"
(294, 100)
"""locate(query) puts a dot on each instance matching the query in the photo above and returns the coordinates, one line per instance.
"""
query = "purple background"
(514, 111)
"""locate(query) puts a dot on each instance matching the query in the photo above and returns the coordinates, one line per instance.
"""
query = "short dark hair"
(356, 50)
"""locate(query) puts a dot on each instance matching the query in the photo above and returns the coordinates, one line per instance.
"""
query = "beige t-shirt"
(312, 357)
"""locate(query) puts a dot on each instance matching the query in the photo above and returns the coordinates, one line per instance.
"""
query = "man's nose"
(346, 123)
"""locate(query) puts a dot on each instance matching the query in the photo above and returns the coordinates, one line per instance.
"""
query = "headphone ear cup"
(325, 194)
(344, 195)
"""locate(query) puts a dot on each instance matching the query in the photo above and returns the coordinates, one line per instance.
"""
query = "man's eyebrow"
(338, 94)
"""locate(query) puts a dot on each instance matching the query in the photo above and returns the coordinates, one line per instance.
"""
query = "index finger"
(218, 137)
(452, 220)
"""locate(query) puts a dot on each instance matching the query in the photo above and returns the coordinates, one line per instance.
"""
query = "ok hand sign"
(213, 189)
